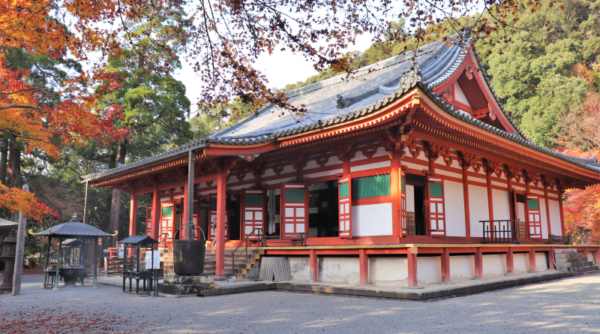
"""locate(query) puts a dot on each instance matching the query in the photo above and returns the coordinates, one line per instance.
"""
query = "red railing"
(257, 237)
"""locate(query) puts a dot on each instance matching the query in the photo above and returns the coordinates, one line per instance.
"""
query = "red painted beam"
(412, 269)
(287, 252)
(510, 262)
(337, 252)
(364, 267)
(445, 266)
(314, 266)
(386, 251)
(479, 263)
(532, 264)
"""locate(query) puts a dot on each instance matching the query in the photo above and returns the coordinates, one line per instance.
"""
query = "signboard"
(156, 259)
(121, 253)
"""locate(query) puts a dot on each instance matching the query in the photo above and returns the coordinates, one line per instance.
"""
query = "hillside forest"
(547, 74)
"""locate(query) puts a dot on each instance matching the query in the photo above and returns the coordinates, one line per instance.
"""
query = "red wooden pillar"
(551, 258)
(510, 262)
(133, 213)
(562, 215)
(396, 197)
(314, 266)
(488, 177)
(445, 265)
(364, 266)
(412, 266)
(220, 244)
(155, 214)
(597, 256)
(465, 168)
(479, 263)
(532, 264)
(584, 253)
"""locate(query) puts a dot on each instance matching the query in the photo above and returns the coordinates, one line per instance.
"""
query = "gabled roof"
(340, 99)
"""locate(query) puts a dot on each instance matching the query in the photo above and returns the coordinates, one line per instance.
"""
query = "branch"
(19, 106)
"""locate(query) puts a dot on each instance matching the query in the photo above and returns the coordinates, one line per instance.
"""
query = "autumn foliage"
(59, 112)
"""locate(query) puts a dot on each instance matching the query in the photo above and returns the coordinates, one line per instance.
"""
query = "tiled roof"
(343, 98)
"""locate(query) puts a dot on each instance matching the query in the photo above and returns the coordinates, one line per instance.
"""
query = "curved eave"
(517, 145)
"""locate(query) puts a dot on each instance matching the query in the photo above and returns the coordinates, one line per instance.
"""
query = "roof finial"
(74, 217)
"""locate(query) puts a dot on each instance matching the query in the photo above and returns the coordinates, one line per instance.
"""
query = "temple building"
(412, 160)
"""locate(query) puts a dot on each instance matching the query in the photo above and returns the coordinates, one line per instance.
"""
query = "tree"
(544, 67)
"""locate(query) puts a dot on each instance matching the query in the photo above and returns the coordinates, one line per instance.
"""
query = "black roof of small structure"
(138, 240)
(339, 99)
(73, 229)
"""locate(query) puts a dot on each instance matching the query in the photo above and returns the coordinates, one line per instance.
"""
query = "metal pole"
(19, 254)
(47, 260)
(85, 204)
(95, 263)
(57, 265)
(190, 197)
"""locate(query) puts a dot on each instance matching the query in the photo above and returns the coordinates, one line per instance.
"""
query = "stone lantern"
(8, 253)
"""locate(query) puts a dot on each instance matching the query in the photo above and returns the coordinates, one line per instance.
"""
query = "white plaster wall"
(358, 156)
(388, 269)
(381, 164)
(300, 268)
(333, 160)
(455, 209)
(288, 169)
(591, 256)
(447, 173)
(372, 220)
(555, 217)
(311, 164)
(339, 270)
(380, 152)
(543, 218)
(394, 269)
(500, 199)
(327, 173)
(478, 209)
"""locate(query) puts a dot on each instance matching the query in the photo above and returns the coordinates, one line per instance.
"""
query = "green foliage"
(533, 73)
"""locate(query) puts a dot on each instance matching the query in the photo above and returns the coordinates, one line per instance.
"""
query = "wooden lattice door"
(294, 208)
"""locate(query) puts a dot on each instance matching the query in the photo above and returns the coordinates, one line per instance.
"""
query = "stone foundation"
(187, 285)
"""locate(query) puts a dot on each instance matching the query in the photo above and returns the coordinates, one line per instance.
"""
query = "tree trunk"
(14, 167)
(3, 160)
(116, 198)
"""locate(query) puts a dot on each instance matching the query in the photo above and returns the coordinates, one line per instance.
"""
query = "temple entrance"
(323, 209)
(272, 213)
(234, 214)
(415, 205)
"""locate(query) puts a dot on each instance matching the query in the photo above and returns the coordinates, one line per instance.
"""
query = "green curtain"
(371, 186)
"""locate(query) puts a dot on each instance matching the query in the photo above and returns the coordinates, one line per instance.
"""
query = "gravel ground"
(568, 305)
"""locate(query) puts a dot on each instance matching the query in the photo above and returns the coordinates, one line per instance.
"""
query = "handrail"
(500, 233)
(246, 242)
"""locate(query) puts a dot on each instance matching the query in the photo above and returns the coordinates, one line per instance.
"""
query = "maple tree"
(582, 135)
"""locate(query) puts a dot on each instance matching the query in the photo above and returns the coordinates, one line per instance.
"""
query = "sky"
(281, 68)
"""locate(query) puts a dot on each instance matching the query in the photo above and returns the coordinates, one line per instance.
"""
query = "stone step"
(567, 255)
(564, 250)
(570, 261)
(583, 269)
